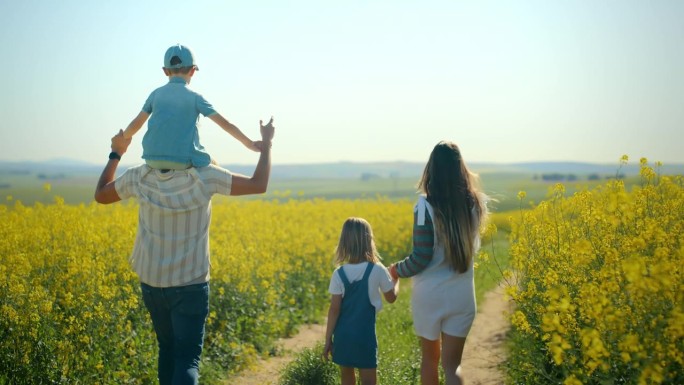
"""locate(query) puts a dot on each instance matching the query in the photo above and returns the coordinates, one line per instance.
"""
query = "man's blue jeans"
(178, 315)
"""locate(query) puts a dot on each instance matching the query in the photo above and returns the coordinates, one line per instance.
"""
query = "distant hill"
(69, 166)
(337, 170)
(414, 169)
(340, 170)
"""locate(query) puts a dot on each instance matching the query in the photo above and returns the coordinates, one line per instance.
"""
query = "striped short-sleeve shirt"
(172, 241)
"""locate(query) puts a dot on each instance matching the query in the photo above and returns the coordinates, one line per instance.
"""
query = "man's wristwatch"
(114, 155)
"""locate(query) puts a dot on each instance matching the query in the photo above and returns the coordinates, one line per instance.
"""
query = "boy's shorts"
(167, 165)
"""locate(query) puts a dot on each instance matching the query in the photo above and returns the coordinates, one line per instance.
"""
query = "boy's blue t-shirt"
(172, 133)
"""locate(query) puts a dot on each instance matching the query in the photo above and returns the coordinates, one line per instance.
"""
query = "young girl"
(355, 287)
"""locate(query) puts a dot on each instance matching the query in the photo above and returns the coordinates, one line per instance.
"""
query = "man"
(171, 250)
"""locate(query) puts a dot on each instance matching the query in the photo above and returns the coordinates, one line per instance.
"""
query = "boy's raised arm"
(135, 125)
(234, 131)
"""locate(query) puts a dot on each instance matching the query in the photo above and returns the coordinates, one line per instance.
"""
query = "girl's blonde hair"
(453, 191)
(356, 243)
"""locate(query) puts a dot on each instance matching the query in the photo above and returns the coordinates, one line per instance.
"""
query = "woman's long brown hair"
(453, 192)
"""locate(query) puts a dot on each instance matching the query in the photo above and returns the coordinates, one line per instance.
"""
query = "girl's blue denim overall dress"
(354, 340)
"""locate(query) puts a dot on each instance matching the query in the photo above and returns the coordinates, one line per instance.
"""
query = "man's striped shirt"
(172, 242)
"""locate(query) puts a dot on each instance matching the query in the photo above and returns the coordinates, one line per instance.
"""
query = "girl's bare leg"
(348, 375)
(368, 376)
(452, 352)
(429, 365)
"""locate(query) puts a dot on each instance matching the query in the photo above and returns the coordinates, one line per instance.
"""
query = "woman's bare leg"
(452, 352)
(429, 365)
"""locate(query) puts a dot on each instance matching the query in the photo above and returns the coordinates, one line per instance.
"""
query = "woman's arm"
(423, 249)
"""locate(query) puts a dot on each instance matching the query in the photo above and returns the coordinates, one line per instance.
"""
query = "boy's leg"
(190, 307)
(368, 376)
(452, 352)
(429, 364)
(160, 314)
(348, 375)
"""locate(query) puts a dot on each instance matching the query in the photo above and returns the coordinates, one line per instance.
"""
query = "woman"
(447, 220)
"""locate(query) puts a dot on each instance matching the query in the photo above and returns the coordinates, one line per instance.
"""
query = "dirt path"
(484, 349)
(266, 371)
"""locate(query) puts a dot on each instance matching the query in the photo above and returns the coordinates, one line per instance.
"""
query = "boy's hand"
(254, 146)
(261, 145)
(120, 143)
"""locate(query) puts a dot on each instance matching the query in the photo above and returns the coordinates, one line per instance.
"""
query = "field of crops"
(70, 309)
(597, 280)
(596, 277)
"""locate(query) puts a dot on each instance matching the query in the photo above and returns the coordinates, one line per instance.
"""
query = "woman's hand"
(393, 272)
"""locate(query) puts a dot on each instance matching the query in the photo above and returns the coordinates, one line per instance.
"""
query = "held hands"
(120, 143)
(260, 145)
(267, 132)
(393, 272)
(254, 146)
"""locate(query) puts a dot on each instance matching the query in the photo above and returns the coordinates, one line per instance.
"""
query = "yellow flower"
(519, 320)
(602, 277)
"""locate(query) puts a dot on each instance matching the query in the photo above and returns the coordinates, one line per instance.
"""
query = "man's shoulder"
(134, 173)
(137, 169)
(212, 174)
(210, 170)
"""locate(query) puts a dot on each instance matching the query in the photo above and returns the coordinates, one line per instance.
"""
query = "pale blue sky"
(508, 81)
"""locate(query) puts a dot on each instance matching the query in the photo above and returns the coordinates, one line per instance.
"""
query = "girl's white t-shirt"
(379, 280)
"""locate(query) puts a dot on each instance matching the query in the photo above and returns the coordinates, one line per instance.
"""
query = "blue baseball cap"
(178, 56)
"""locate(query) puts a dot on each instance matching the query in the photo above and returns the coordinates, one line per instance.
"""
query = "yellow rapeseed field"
(70, 308)
(597, 280)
